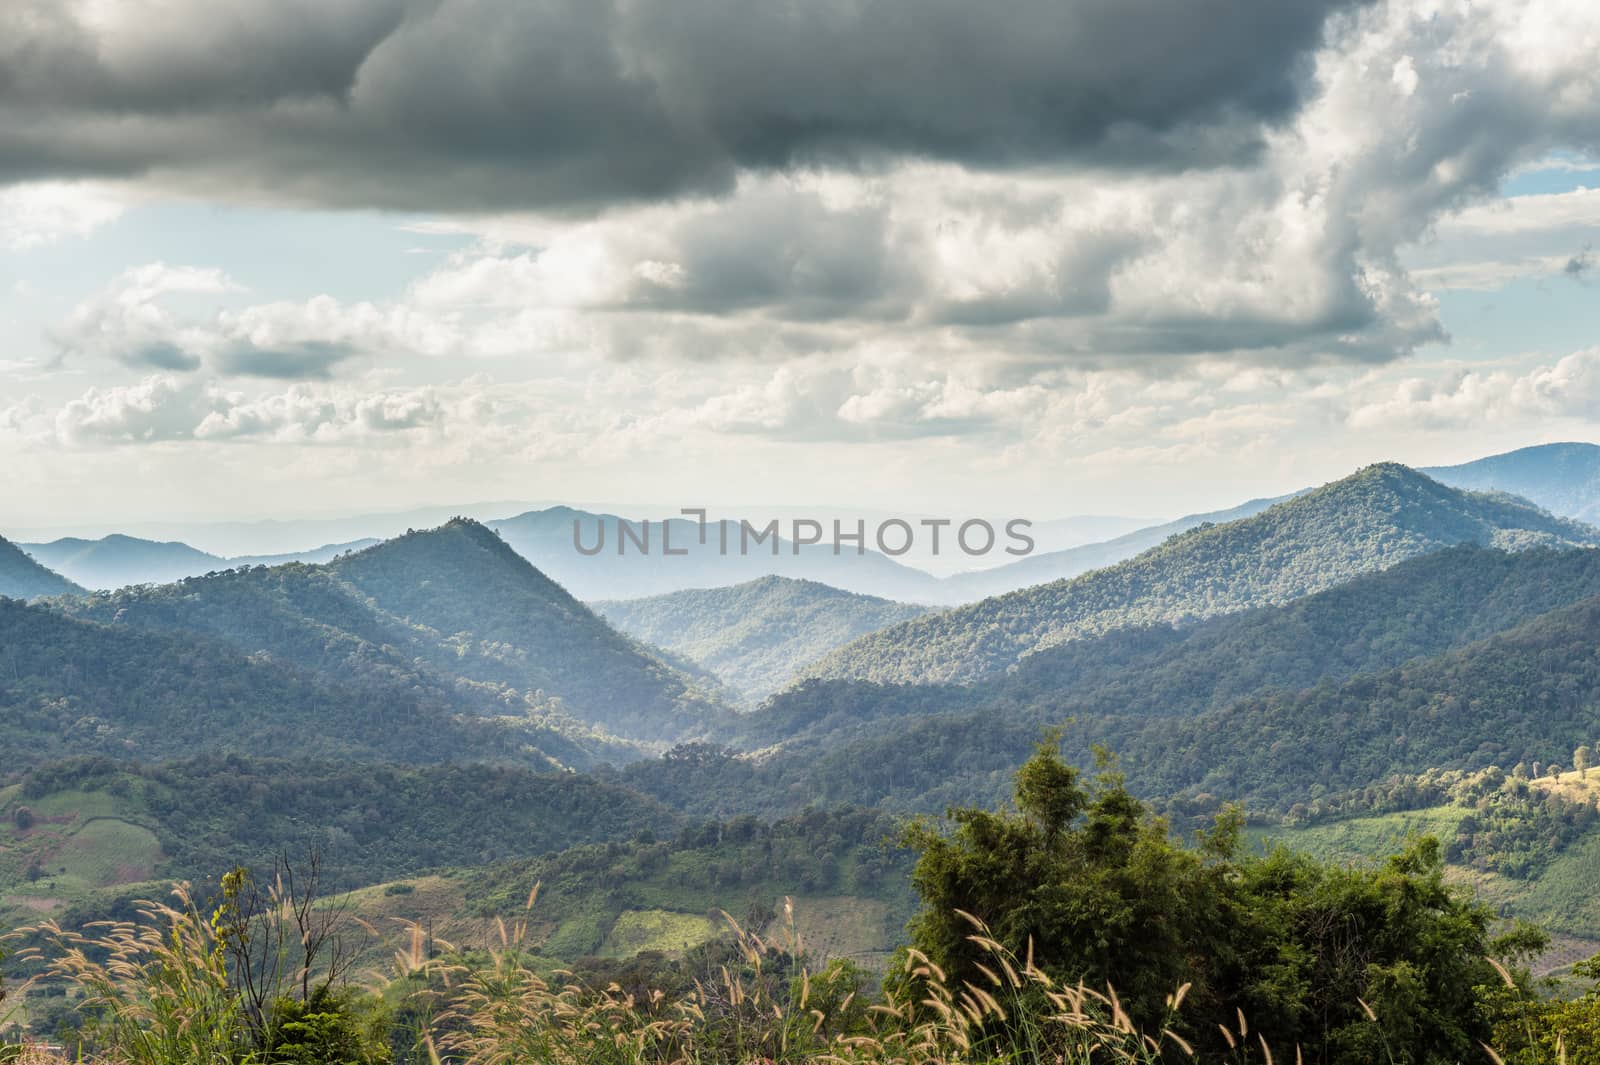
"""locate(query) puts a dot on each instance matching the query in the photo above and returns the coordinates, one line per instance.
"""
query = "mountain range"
(1336, 649)
(1375, 518)
(1562, 478)
(118, 561)
(1458, 659)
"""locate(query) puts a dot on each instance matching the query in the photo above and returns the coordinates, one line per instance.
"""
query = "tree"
(1582, 759)
(1557, 1028)
(1086, 880)
(285, 944)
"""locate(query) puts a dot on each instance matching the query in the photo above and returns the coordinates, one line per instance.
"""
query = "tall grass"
(157, 991)
(772, 1010)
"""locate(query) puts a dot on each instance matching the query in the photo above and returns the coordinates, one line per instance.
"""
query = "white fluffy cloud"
(38, 213)
(168, 408)
(1318, 247)
(1323, 247)
(1567, 388)
(133, 322)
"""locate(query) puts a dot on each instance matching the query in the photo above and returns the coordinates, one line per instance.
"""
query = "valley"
(1347, 672)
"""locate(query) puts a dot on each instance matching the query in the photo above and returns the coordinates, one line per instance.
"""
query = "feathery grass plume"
(155, 991)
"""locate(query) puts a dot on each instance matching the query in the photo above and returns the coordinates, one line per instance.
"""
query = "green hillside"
(1369, 521)
(755, 636)
(1418, 608)
(72, 686)
(23, 578)
(452, 612)
(481, 611)
(1525, 695)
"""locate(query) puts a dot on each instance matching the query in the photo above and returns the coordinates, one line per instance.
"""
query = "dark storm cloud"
(576, 103)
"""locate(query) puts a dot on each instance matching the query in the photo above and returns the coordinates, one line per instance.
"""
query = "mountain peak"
(437, 541)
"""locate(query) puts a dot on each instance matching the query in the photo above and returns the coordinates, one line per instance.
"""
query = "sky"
(1047, 257)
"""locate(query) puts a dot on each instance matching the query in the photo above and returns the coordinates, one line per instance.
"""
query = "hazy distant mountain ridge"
(545, 537)
(119, 561)
(1058, 565)
(1371, 520)
(23, 577)
(1562, 478)
(755, 636)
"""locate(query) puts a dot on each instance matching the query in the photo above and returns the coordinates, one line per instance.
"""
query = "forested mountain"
(21, 577)
(1562, 478)
(755, 636)
(545, 537)
(1371, 520)
(1418, 608)
(452, 610)
(118, 561)
(1527, 695)
(486, 613)
(1058, 565)
(69, 686)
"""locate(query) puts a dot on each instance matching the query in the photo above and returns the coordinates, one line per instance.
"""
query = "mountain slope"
(1057, 565)
(1526, 695)
(452, 611)
(545, 537)
(71, 686)
(488, 614)
(1371, 520)
(1418, 608)
(755, 635)
(1562, 478)
(22, 577)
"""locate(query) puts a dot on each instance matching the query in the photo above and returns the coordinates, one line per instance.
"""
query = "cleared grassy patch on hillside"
(1365, 838)
(663, 930)
(846, 926)
(63, 846)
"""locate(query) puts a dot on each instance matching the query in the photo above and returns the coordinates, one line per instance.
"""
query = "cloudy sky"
(1068, 256)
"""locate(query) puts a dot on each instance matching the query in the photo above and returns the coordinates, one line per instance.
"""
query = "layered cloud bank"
(1046, 225)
